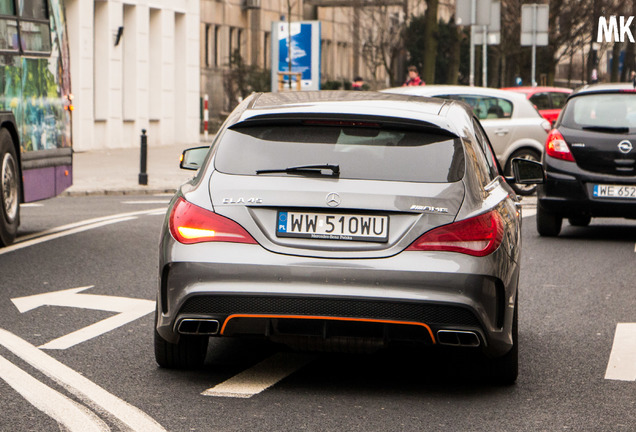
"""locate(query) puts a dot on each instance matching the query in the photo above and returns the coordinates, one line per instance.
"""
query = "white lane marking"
(129, 310)
(90, 393)
(86, 222)
(70, 415)
(529, 212)
(260, 377)
(146, 202)
(161, 212)
(31, 205)
(32, 242)
(622, 361)
(74, 228)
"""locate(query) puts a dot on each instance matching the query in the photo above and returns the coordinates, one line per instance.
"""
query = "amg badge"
(429, 209)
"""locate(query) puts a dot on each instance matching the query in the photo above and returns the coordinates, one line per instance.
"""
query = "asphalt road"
(95, 369)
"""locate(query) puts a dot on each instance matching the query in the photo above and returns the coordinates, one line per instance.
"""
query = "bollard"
(143, 176)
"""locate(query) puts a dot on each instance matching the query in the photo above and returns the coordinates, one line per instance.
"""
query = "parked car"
(548, 100)
(590, 161)
(343, 220)
(514, 127)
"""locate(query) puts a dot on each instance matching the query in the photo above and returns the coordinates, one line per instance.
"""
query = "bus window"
(7, 7)
(33, 9)
(36, 37)
(35, 33)
(8, 35)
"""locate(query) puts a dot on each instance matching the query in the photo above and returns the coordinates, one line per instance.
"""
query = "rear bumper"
(410, 296)
(568, 192)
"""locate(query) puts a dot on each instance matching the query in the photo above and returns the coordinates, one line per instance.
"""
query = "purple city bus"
(35, 107)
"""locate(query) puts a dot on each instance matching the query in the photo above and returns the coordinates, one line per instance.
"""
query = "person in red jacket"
(358, 83)
(414, 77)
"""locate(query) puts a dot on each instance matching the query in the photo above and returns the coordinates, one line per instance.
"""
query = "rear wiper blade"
(304, 169)
(610, 129)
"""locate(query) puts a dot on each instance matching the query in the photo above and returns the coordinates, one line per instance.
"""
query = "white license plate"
(323, 226)
(614, 191)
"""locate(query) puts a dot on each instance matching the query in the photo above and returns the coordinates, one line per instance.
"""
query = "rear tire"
(524, 153)
(9, 190)
(580, 221)
(504, 370)
(548, 224)
(188, 353)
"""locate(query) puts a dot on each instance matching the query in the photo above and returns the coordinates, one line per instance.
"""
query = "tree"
(430, 41)
(415, 42)
(240, 80)
(383, 29)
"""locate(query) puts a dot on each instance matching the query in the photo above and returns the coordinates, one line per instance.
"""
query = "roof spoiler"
(349, 120)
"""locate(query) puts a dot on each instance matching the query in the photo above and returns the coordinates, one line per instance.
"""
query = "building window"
(266, 50)
(230, 45)
(326, 65)
(216, 46)
(239, 42)
(207, 53)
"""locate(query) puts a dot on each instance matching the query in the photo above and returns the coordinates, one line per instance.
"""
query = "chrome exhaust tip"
(459, 338)
(198, 326)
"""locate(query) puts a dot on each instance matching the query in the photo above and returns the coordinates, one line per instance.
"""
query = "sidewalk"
(116, 171)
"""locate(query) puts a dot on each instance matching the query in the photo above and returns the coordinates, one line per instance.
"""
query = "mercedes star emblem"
(333, 199)
(625, 146)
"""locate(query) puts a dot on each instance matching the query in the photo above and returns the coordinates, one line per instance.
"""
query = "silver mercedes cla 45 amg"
(344, 220)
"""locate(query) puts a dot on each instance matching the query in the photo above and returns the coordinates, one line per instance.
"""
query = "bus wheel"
(9, 190)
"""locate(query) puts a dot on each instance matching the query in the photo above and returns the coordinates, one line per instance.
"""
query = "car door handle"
(501, 132)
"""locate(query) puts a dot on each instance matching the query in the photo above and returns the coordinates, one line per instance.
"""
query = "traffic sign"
(494, 28)
(464, 12)
(534, 24)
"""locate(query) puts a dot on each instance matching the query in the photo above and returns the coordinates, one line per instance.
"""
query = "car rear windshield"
(485, 107)
(372, 153)
(601, 111)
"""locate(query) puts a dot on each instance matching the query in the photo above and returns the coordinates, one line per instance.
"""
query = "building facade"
(134, 65)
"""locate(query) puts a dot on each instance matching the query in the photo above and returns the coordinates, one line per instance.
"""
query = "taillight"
(478, 236)
(556, 147)
(192, 224)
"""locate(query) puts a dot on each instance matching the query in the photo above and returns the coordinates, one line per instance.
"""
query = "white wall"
(150, 80)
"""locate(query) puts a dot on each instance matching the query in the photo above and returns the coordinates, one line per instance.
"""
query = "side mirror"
(527, 171)
(192, 158)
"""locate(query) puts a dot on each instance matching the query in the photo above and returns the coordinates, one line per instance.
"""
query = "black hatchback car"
(590, 160)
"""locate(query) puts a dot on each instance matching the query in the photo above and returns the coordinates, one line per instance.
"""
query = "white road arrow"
(128, 309)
